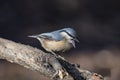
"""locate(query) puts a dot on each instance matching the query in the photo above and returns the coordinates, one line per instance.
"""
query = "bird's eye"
(72, 39)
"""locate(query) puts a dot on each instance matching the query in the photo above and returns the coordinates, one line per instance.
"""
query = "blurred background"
(97, 23)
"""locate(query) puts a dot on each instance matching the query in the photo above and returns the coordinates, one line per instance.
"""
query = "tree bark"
(46, 64)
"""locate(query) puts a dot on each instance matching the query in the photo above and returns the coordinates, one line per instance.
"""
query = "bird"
(58, 40)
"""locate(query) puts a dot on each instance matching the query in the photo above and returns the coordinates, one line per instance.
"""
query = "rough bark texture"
(44, 63)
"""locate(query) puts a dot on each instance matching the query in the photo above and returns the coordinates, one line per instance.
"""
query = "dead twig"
(44, 63)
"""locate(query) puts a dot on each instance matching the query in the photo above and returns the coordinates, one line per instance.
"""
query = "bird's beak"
(73, 43)
(76, 40)
(33, 36)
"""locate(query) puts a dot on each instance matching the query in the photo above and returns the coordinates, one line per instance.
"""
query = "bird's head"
(70, 35)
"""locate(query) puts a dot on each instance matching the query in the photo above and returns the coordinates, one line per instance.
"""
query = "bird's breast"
(53, 45)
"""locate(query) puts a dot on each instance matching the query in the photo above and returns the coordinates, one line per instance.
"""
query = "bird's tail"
(33, 36)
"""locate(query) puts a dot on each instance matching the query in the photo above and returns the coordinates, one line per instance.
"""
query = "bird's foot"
(61, 57)
(58, 56)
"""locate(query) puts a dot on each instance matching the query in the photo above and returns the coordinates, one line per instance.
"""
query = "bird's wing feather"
(52, 36)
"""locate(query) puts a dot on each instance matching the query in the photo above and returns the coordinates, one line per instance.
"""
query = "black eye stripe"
(68, 34)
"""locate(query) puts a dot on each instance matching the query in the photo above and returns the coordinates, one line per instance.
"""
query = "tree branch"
(44, 63)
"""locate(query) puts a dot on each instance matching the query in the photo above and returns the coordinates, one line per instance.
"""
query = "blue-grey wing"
(52, 36)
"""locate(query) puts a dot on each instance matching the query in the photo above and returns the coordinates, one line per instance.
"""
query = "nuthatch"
(59, 40)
